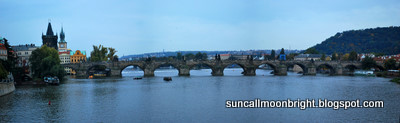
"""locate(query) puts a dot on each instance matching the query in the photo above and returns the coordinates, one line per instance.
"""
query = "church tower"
(50, 39)
(62, 45)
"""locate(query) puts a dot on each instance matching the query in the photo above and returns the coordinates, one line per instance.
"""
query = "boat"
(364, 73)
(52, 80)
(167, 79)
(137, 78)
(300, 72)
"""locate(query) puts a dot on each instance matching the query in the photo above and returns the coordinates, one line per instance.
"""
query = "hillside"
(377, 40)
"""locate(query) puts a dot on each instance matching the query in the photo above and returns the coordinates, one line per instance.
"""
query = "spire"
(62, 35)
(49, 30)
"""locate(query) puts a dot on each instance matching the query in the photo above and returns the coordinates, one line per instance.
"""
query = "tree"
(345, 57)
(323, 57)
(334, 56)
(390, 64)
(179, 56)
(189, 56)
(368, 63)
(353, 56)
(46, 62)
(282, 51)
(101, 53)
(311, 51)
(111, 54)
(291, 56)
(198, 56)
(273, 55)
(3, 71)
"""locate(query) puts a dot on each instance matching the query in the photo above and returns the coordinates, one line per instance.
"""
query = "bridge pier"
(217, 71)
(81, 73)
(249, 71)
(311, 70)
(184, 71)
(148, 72)
(281, 70)
(115, 72)
(338, 70)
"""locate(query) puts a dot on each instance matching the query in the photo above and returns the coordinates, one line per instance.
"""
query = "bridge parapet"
(217, 66)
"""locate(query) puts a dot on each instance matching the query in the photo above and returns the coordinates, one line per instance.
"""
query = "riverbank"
(6, 88)
(396, 80)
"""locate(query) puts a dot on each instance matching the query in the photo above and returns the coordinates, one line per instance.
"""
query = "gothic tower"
(50, 39)
(62, 45)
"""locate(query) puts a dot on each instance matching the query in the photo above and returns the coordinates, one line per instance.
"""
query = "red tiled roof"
(225, 54)
(2, 47)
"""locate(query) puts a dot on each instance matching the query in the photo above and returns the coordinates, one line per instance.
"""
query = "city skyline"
(135, 27)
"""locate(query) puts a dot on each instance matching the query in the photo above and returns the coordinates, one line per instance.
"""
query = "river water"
(199, 98)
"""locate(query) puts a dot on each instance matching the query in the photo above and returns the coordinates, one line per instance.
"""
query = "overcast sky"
(141, 26)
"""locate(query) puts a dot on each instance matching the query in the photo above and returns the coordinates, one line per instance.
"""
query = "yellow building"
(78, 56)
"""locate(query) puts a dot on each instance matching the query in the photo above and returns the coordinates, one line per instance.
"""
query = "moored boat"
(167, 79)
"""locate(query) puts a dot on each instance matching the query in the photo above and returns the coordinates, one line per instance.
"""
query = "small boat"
(272, 72)
(52, 80)
(91, 77)
(137, 78)
(167, 79)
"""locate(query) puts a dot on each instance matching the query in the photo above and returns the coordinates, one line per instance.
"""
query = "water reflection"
(199, 97)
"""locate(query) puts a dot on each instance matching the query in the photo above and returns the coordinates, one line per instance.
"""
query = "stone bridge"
(217, 66)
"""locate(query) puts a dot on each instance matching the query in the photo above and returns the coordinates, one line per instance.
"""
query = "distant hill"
(377, 40)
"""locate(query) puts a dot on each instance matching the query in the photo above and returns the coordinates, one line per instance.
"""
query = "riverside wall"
(6, 88)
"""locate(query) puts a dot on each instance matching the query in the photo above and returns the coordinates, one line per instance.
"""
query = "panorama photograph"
(199, 61)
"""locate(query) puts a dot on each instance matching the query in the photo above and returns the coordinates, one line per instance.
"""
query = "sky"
(143, 26)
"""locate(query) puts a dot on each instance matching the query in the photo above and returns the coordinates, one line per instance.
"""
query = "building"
(282, 57)
(308, 57)
(3, 52)
(238, 57)
(78, 56)
(62, 45)
(50, 39)
(225, 56)
(63, 52)
(24, 52)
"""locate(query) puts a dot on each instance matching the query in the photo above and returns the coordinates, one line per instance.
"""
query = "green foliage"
(46, 62)
(179, 56)
(291, 56)
(189, 56)
(396, 80)
(323, 57)
(353, 56)
(201, 56)
(390, 64)
(368, 63)
(273, 54)
(101, 53)
(379, 40)
(282, 51)
(311, 51)
(334, 56)
(3, 71)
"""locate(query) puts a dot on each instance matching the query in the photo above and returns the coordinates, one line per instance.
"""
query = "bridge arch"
(98, 69)
(322, 68)
(233, 72)
(173, 72)
(301, 65)
(200, 69)
(270, 64)
(137, 69)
